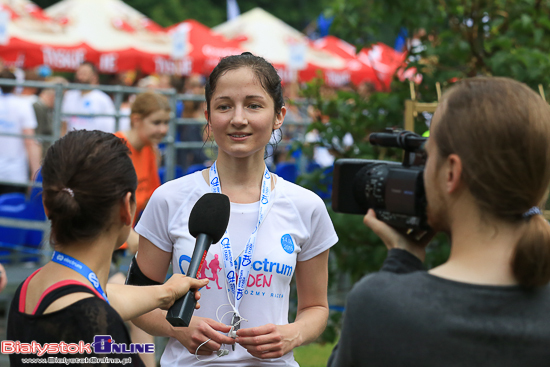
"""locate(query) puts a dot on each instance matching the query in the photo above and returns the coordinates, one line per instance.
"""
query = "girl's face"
(242, 114)
(152, 128)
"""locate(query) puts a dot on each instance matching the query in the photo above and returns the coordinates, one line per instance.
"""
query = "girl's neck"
(134, 140)
(240, 178)
(95, 254)
(481, 251)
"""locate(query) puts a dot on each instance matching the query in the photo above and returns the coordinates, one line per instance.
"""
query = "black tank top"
(78, 323)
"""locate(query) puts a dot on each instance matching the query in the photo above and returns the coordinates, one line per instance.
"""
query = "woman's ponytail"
(531, 258)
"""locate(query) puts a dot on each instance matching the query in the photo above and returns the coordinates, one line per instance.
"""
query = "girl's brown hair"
(148, 103)
(500, 129)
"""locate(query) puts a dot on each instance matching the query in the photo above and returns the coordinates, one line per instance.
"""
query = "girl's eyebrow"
(251, 96)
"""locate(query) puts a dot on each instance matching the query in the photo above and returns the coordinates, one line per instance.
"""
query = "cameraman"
(488, 170)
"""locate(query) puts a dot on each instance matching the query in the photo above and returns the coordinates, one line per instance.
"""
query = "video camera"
(395, 191)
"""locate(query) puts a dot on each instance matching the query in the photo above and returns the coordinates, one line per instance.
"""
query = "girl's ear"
(135, 118)
(206, 116)
(127, 209)
(279, 118)
(46, 211)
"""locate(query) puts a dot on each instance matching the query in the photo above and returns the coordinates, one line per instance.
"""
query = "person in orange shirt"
(149, 117)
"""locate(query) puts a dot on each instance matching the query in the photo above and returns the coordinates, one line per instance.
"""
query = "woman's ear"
(279, 118)
(454, 173)
(46, 211)
(127, 209)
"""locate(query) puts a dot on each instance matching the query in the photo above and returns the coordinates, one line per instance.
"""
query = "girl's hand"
(201, 329)
(269, 341)
(177, 286)
(395, 239)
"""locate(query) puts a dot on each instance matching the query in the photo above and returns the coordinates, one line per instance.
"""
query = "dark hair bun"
(85, 174)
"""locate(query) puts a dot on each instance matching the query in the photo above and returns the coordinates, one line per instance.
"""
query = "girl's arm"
(274, 341)
(133, 301)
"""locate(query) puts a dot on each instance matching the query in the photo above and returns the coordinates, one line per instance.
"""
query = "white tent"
(288, 49)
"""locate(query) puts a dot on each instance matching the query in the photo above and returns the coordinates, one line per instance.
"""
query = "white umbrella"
(288, 49)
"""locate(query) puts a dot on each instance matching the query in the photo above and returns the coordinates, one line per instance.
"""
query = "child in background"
(149, 117)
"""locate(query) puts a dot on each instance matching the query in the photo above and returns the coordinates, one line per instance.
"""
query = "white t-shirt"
(16, 114)
(93, 102)
(297, 228)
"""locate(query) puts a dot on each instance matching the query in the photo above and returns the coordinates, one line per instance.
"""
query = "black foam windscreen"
(210, 216)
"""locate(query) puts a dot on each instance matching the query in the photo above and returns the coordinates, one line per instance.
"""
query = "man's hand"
(394, 239)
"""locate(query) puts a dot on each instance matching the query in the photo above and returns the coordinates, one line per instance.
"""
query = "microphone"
(207, 223)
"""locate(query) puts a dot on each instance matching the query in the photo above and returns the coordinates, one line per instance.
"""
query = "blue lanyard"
(237, 287)
(81, 268)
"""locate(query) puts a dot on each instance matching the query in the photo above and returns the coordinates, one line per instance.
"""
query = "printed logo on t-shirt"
(287, 243)
(213, 266)
(181, 260)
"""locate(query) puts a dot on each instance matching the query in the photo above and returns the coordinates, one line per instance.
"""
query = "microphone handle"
(182, 310)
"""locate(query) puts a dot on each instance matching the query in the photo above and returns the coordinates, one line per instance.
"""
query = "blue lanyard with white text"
(81, 268)
(246, 263)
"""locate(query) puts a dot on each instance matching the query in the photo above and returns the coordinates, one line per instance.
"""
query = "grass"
(313, 355)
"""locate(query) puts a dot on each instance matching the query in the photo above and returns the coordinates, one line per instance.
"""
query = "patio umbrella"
(126, 39)
(195, 48)
(289, 50)
(29, 37)
(120, 35)
(385, 61)
(359, 71)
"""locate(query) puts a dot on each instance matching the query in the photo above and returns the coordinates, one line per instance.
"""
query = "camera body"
(394, 190)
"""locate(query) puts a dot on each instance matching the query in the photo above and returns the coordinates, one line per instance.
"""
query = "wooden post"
(409, 115)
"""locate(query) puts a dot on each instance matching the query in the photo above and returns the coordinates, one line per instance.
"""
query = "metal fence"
(171, 145)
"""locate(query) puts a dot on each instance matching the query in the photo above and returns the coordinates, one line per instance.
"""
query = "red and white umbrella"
(289, 50)
(110, 34)
(29, 38)
(386, 61)
(195, 48)
(119, 34)
(359, 72)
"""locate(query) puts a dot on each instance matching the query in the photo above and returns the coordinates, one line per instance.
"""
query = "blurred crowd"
(29, 111)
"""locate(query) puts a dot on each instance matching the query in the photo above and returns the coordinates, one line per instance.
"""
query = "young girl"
(276, 229)
(89, 196)
(149, 119)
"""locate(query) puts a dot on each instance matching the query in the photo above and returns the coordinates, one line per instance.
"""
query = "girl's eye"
(223, 107)
(255, 106)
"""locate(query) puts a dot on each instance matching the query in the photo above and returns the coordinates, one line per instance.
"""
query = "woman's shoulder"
(179, 189)
(296, 191)
(301, 197)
